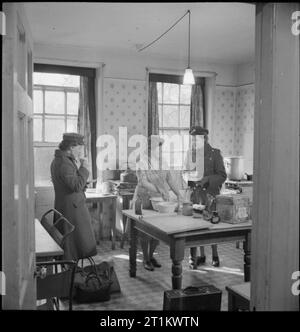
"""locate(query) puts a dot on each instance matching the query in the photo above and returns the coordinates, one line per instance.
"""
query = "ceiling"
(220, 32)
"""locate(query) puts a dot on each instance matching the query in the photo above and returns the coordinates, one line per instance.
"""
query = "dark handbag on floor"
(91, 285)
(101, 268)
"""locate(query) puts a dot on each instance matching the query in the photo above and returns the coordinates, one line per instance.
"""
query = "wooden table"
(239, 297)
(179, 232)
(93, 197)
(45, 247)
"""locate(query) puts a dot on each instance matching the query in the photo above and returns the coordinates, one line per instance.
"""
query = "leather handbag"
(91, 285)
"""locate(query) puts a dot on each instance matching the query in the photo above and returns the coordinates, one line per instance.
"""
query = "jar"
(187, 209)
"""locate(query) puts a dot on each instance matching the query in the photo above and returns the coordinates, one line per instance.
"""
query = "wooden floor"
(145, 292)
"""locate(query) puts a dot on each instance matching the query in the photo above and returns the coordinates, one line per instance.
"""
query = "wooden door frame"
(275, 235)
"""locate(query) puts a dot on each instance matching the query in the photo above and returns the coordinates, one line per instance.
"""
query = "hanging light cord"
(188, 12)
(189, 38)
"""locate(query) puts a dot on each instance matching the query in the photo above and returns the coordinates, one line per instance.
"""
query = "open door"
(18, 243)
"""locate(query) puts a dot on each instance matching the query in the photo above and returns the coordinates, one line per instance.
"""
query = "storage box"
(204, 297)
(233, 208)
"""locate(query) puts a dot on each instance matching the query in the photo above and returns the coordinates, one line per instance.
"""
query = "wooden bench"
(239, 297)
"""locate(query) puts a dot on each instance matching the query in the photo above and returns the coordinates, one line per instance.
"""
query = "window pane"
(43, 157)
(159, 92)
(54, 128)
(185, 94)
(72, 124)
(72, 102)
(172, 143)
(186, 139)
(56, 79)
(160, 119)
(54, 102)
(37, 101)
(171, 93)
(170, 114)
(37, 128)
(185, 116)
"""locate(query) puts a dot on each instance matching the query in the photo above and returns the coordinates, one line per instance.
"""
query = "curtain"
(197, 117)
(86, 124)
(153, 118)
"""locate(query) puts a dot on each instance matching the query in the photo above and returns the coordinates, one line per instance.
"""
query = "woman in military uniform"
(213, 177)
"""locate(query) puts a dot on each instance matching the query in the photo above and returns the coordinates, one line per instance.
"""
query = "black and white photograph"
(150, 159)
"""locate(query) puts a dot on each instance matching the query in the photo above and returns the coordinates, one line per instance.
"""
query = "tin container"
(233, 209)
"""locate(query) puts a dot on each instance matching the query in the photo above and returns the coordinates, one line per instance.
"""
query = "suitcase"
(194, 298)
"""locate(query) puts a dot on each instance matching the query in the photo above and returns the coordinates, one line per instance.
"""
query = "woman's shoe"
(215, 262)
(148, 266)
(154, 262)
(201, 260)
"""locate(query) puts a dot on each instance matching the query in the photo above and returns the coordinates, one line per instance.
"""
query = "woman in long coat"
(69, 175)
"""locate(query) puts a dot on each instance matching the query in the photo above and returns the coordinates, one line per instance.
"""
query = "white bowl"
(155, 201)
(166, 207)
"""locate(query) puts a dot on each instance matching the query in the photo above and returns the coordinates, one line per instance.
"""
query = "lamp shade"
(188, 77)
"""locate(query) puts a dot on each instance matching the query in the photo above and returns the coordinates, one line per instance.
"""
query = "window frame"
(179, 129)
(65, 115)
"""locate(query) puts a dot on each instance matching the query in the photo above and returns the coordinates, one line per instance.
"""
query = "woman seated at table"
(153, 183)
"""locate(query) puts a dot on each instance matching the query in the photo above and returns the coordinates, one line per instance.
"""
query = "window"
(55, 107)
(56, 101)
(174, 101)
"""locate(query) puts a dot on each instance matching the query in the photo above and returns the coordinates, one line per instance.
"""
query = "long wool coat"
(69, 185)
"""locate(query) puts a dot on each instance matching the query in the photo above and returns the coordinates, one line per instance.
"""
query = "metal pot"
(234, 167)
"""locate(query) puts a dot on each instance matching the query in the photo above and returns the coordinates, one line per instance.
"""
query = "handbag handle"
(93, 264)
(90, 276)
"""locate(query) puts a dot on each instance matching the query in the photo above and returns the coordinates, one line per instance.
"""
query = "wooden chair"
(58, 230)
(53, 286)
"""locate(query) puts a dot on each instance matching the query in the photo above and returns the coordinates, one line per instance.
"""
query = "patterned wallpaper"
(233, 122)
(232, 132)
(224, 120)
(244, 125)
(124, 105)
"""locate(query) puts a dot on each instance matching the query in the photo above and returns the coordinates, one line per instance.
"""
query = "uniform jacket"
(69, 185)
(214, 169)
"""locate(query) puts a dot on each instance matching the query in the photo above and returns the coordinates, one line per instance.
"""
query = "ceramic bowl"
(155, 201)
(166, 207)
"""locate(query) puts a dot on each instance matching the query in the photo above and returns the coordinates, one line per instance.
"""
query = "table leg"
(113, 223)
(132, 249)
(177, 255)
(125, 206)
(247, 257)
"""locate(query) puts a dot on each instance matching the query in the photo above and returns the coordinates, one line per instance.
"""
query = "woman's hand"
(84, 163)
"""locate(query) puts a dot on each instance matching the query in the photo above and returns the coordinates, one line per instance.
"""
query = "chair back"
(56, 284)
(59, 229)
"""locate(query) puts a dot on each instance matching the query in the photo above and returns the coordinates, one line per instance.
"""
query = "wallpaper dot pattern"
(233, 117)
(224, 120)
(233, 122)
(124, 106)
(244, 115)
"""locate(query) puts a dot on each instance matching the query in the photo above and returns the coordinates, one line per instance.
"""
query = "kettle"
(234, 167)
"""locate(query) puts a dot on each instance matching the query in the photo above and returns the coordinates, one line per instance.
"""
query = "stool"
(239, 297)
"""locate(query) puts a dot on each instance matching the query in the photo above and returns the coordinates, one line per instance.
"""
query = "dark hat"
(74, 138)
(197, 130)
